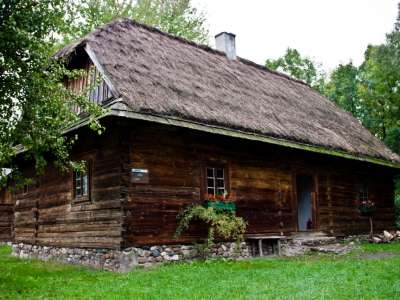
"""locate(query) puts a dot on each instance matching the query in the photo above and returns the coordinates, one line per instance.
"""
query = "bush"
(221, 224)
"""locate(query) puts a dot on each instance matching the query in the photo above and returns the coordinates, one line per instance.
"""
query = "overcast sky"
(329, 31)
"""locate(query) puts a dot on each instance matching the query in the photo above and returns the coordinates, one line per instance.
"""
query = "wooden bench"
(258, 239)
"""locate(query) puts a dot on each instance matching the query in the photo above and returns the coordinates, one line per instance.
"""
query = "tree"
(371, 92)
(342, 88)
(177, 17)
(34, 105)
(302, 68)
(379, 87)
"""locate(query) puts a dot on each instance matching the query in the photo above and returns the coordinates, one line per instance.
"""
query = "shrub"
(221, 224)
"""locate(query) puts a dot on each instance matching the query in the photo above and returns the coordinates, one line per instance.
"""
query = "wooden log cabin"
(185, 120)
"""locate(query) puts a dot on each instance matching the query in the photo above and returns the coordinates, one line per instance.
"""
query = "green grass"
(369, 274)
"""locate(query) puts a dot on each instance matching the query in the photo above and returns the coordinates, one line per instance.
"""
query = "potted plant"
(219, 202)
(367, 209)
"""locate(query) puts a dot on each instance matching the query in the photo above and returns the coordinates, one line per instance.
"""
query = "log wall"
(48, 214)
(6, 222)
(262, 180)
(123, 213)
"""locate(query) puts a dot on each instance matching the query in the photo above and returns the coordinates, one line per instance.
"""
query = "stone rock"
(387, 236)
(142, 260)
(339, 249)
(139, 252)
(125, 260)
(186, 253)
(376, 240)
(174, 257)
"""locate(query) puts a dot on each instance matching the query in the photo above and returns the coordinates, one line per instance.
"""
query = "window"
(216, 181)
(82, 182)
(363, 192)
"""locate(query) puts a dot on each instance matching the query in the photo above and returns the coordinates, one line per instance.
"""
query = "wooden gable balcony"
(92, 81)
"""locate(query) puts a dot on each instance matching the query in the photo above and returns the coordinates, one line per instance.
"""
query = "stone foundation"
(127, 259)
(130, 258)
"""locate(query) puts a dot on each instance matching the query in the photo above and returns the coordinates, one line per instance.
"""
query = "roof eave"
(117, 109)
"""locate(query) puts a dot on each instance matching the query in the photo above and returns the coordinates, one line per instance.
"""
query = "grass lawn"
(372, 273)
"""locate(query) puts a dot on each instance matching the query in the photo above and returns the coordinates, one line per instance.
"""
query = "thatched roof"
(155, 73)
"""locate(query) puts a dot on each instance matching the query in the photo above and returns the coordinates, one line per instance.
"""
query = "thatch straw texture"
(159, 74)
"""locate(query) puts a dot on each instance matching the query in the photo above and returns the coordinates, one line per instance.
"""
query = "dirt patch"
(377, 255)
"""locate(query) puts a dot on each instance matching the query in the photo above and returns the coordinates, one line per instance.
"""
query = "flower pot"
(220, 205)
(367, 211)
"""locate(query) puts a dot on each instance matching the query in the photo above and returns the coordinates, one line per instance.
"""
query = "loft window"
(363, 192)
(82, 182)
(216, 181)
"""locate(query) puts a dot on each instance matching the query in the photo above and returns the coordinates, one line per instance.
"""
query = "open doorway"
(305, 189)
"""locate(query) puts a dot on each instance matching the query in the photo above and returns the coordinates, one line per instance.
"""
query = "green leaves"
(342, 88)
(222, 224)
(379, 86)
(177, 17)
(35, 107)
(302, 68)
(370, 92)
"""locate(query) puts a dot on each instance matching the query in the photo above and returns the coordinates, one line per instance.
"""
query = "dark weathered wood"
(49, 214)
(6, 221)
(91, 82)
(261, 178)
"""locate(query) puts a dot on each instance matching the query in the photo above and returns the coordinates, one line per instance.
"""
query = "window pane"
(215, 181)
(85, 185)
(363, 193)
(78, 191)
(82, 182)
(210, 183)
(220, 183)
(77, 184)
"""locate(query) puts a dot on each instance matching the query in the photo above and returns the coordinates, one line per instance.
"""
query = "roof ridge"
(196, 45)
